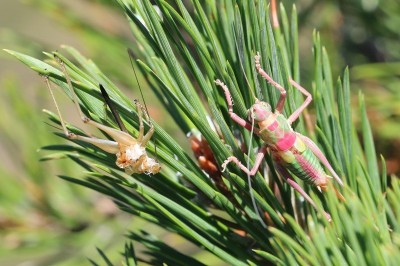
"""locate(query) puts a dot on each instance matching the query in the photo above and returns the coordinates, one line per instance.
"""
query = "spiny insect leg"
(71, 88)
(117, 135)
(106, 145)
(286, 175)
(253, 171)
(314, 148)
(296, 113)
(234, 116)
(282, 98)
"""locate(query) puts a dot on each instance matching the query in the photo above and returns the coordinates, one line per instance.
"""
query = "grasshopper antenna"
(131, 56)
(253, 200)
(240, 53)
(250, 146)
(113, 109)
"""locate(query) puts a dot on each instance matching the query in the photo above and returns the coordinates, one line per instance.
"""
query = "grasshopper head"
(259, 111)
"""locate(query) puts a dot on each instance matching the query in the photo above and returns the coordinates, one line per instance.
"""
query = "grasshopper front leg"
(282, 98)
(233, 115)
(253, 171)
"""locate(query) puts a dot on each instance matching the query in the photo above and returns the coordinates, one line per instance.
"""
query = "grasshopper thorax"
(260, 111)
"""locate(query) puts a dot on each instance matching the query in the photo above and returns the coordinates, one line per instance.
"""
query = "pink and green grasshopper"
(290, 151)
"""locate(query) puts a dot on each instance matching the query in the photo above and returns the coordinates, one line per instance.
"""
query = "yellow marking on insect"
(287, 156)
(267, 122)
(299, 145)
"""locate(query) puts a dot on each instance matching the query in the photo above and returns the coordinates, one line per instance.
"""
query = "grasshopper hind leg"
(106, 145)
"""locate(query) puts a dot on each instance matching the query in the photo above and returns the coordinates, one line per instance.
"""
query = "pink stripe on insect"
(286, 142)
(307, 167)
(273, 126)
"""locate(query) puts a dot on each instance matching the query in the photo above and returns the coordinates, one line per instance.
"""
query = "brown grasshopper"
(130, 152)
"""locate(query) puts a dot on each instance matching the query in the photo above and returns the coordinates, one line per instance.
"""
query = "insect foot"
(257, 61)
(227, 161)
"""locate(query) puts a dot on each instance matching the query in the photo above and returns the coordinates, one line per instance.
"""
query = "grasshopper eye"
(259, 111)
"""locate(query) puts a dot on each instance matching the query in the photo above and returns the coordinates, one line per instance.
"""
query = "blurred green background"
(47, 221)
(43, 219)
